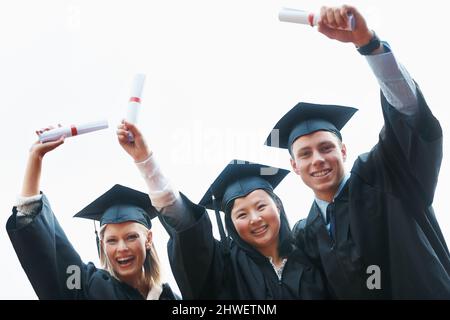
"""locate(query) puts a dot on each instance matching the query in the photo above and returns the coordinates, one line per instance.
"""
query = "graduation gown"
(384, 217)
(46, 255)
(205, 268)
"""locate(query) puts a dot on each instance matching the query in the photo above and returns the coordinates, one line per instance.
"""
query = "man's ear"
(294, 166)
(344, 152)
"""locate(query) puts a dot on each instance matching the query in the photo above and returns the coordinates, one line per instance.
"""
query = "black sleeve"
(195, 255)
(46, 255)
(298, 232)
(407, 159)
(313, 286)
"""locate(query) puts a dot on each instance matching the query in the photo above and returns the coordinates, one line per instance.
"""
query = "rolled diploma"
(304, 17)
(70, 131)
(135, 101)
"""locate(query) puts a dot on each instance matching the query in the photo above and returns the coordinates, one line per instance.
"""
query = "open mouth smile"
(321, 173)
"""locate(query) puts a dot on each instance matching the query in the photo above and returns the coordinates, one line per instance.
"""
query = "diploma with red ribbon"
(73, 130)
(135, 100)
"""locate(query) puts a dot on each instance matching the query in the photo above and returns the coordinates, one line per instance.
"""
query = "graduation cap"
(120, 204)
(238, 179)
(306, 118)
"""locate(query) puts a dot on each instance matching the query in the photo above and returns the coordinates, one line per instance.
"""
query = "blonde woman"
(131, 268)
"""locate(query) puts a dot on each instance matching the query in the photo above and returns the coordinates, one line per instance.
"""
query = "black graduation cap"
(306, 118)
(120, 204)
(238, 179)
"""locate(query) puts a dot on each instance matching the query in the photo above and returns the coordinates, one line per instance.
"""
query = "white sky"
(219, 75)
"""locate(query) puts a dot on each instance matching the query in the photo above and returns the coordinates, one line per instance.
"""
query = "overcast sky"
(219, 76)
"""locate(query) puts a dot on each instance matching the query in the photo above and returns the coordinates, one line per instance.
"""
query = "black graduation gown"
(45, 254)
(384, 216)
(205, 268)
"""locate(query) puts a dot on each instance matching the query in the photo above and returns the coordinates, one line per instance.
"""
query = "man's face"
(318, 158)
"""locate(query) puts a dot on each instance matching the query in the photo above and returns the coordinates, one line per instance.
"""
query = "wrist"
(364, 39)
(368, 46)
(142, 157)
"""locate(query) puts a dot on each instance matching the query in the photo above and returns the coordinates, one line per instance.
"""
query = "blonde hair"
(152, 271)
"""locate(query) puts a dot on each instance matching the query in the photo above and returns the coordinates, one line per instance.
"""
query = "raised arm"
(395, 82)
(195, 273)
(407, 158)
(163, 196)
(41, 245)
(30, 186)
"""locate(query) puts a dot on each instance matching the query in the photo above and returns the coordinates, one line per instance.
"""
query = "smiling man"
(373, 230)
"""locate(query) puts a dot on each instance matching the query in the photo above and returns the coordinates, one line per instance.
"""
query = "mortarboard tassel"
(223, 237)
(97, 240)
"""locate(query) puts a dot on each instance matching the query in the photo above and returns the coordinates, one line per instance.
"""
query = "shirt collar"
(322, 204)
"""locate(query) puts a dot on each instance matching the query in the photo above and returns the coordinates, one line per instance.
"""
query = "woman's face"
(256, 219)
(126, 244)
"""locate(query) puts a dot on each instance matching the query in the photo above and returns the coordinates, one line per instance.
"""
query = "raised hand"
(333, 21)
(39, 149)
(137, 149)
(31, 181)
